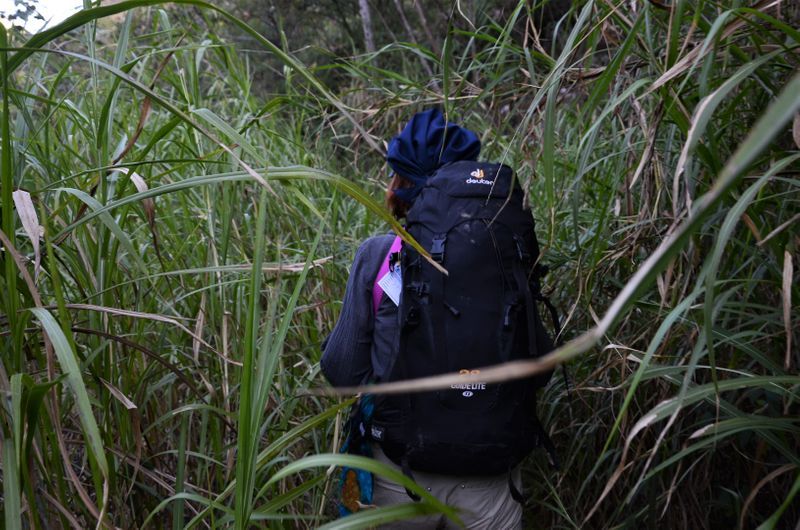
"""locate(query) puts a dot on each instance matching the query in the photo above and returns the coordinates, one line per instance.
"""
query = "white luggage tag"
(392, 284)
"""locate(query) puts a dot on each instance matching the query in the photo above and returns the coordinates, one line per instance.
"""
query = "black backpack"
(470, 217)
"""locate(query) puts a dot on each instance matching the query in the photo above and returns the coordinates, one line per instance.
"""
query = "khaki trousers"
(483, 502)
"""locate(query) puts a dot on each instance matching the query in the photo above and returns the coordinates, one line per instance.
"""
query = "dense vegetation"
(182, 196)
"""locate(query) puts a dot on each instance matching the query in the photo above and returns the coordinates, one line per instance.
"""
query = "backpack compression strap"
(377, 291)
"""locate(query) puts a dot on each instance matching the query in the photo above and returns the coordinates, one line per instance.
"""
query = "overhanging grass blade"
(374, 517)
(289, 174)
(367, 464)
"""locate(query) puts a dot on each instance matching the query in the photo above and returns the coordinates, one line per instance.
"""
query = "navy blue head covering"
(427, 143)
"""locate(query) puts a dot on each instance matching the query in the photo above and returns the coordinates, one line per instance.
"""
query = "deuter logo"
(478, 178)
(468, 387)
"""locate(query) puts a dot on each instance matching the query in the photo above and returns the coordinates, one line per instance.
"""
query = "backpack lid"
(467, 178)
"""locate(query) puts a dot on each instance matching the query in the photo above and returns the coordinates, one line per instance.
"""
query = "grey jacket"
(350, 355)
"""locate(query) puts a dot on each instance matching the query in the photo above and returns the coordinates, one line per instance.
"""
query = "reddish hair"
(396, 205)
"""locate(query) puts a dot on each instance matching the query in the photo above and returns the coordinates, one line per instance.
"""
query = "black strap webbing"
(438, 304)
(553, 316)
(556, 327)
(547, 443)
(407, 472)
(515, 493)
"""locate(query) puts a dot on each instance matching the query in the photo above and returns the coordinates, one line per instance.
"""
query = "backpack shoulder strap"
(377, 291)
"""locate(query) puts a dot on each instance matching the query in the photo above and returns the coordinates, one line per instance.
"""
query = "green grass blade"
(720, 245)
(770, 523)
(6, 196)
(695, 394)
(249, 411)
(11, 487)
(110, 223)
(367, 464)
(374, 517)
(773, 121)
(71, 368)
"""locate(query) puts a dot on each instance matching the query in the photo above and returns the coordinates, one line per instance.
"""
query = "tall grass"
(161, 330)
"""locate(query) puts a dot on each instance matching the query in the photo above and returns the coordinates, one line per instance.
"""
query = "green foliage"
(160, 332)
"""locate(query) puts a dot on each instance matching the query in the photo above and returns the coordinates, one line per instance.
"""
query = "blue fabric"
(355, 485)
(426, 143)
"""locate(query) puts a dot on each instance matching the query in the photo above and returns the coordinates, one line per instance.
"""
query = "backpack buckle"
(412, 318)
(420, 289)
(507, 316)
(437, 248)
(394, 260)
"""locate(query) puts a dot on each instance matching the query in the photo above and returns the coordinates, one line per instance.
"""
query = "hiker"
(462, 444)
